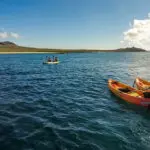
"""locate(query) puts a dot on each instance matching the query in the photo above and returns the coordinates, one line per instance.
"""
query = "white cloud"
(139, 34)
(121, 42)
(15, 35)
(4, 35)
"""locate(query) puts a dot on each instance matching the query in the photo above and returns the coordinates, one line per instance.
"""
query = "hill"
(7, 43)
(10, 47)
(131, 49)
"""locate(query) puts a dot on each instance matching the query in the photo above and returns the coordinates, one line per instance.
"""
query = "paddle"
(133, 84)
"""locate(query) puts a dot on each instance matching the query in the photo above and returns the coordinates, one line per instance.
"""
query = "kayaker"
(56, 59)
(49, 59)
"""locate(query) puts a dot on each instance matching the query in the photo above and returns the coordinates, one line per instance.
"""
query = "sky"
(76, 24)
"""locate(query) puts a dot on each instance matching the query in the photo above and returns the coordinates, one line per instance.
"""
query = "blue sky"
(97, 24)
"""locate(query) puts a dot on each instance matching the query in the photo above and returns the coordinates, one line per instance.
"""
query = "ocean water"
(68, 106)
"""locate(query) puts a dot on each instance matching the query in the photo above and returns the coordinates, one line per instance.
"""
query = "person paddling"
(49, 59)
(56, 59)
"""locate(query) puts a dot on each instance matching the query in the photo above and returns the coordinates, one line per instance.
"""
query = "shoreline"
(28, 52)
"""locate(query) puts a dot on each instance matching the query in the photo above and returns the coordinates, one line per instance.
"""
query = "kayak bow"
(142, 84)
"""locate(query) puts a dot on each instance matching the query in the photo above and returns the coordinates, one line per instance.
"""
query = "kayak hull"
(57, 62)
(142, 84)
(134, 96)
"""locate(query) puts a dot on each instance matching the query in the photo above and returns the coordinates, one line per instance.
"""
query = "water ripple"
(69, 106)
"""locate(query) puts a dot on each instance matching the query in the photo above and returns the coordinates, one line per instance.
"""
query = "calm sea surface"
(68, 106)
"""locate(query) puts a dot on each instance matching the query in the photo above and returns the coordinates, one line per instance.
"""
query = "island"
(7, 47)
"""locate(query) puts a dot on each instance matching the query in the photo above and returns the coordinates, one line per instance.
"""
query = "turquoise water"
(68, 106)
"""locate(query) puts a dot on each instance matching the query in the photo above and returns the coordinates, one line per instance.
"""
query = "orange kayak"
(129, 93)
(142, 84)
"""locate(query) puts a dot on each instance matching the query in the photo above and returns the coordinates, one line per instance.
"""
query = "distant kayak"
(55, 62)
(129, 93)
(142, 84)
